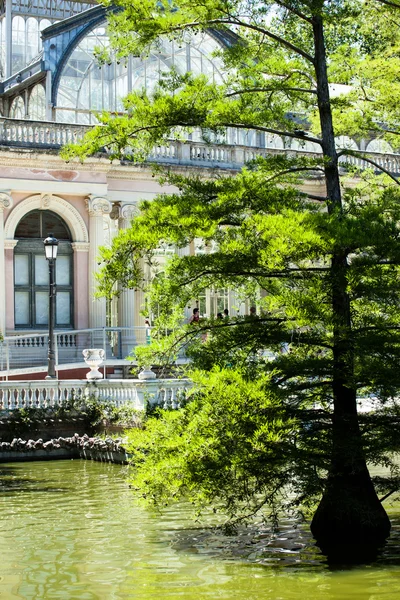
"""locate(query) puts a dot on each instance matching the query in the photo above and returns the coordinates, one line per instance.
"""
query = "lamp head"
(50, 247)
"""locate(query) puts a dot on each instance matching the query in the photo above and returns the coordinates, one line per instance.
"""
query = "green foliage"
(323, 267)
(245, 446)
(234, 443)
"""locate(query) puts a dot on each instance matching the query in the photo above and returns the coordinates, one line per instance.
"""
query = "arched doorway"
(31, 273)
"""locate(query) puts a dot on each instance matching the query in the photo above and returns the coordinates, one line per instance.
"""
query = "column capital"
(98, 206)
(129, 212)
(80, 246)
(6, 200)
(10, 244)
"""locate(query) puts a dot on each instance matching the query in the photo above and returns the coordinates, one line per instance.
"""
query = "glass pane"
(54, 224)
(62, 270)
(29, 226)
(41, 270)
(63, 308)
(21, 269)
(21, 308)
(42, 308)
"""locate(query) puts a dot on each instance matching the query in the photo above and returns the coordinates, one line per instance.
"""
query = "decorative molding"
(6, 200)
(45, 201)
(98, 206)
(58, 205)
(10, 244)
(80, 246)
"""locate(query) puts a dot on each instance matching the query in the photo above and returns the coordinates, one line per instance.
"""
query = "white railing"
(38, 133)
(29, 351)
(168, 393)
(20, 133)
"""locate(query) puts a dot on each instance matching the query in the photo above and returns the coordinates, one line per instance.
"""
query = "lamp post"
(50, 248)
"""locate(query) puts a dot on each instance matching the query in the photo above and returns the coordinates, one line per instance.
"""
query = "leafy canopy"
(322, 266)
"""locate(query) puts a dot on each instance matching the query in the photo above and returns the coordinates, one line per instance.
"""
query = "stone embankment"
(76, 446)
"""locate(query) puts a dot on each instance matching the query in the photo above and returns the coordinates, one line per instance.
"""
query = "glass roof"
(85, 86)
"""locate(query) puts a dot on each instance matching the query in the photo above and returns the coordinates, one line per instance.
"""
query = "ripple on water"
(73, 529)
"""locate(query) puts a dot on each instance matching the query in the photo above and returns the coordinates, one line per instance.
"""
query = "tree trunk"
(349, 520)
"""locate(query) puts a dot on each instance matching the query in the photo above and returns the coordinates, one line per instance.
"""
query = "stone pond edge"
(76, 446)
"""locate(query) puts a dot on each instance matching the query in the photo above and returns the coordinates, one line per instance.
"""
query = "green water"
(73, 530)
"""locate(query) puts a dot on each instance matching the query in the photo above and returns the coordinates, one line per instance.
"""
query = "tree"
(329, 263)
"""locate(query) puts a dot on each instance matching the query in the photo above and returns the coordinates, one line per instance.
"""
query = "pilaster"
(128, 300)
(5, 203)
(98, 207)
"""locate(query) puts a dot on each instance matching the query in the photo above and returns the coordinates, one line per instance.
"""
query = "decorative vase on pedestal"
(146, 373)
(93, 358)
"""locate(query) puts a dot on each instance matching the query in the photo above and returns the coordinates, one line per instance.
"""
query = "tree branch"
(271, 89)
(387, 2)
(234, 21)
(361, 155)
(273, 131)
(294, 11)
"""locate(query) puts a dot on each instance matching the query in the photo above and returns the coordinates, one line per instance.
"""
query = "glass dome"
(85, 86)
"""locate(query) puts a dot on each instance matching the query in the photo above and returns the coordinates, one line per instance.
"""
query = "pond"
(74, 530)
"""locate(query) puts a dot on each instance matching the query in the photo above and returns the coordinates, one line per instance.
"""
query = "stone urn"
(146, 373)
(93, 358)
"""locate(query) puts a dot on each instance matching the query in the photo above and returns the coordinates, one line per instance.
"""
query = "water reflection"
(73, 529)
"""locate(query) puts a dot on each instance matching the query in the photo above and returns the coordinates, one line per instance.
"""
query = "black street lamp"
(50, 248)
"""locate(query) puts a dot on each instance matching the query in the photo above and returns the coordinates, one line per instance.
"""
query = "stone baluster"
(40, 399)
(174, 403)
(98, 207)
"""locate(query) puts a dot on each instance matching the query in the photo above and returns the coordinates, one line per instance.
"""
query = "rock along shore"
(76, 446)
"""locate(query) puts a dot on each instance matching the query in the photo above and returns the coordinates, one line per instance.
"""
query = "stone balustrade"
(168, 393)
(51, 135)
(38, 134)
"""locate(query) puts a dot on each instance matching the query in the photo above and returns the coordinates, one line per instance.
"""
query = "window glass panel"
(54, 224)
(63, 312)
(63, 270)
(17, 109)
(39, 223)
(18, 44)
(21, 269)
(42, 308)
(41, 270)
(37, 103)
(29, 226)
(21, 308)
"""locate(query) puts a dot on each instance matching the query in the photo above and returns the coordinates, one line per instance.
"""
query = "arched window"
(86, 86)
(37, 103)
(2, 48)
(31, 272)
(343, 141)
(18, 44)
(381, 146)
(32, 39)
(17, 108)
